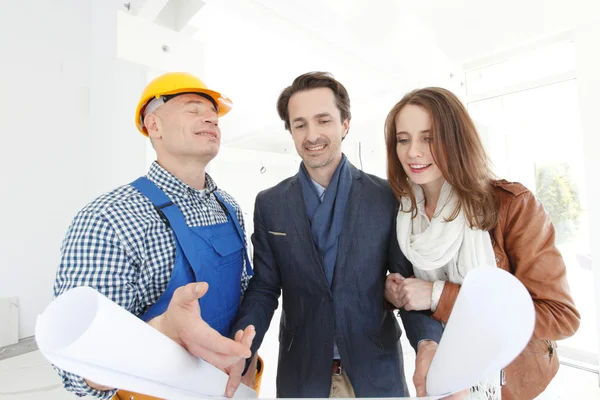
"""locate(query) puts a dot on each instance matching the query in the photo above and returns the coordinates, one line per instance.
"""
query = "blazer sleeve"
(261, 298)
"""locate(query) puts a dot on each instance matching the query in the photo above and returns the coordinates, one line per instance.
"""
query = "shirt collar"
(320, 189)
(170, 184)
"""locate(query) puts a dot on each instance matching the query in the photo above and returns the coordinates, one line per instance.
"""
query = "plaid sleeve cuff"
(77, 385)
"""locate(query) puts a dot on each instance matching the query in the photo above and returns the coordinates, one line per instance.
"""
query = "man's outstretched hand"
(183, 323)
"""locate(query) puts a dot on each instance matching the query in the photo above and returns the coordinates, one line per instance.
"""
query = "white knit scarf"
(442, 250)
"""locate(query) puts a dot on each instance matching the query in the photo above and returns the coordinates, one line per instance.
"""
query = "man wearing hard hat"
(170, 242)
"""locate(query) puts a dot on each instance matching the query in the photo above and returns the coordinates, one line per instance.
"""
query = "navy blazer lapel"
(297, 211)
(352, 209)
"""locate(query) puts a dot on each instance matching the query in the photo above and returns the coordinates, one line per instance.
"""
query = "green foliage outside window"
(557, 191)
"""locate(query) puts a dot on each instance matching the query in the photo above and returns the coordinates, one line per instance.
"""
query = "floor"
(30, 377)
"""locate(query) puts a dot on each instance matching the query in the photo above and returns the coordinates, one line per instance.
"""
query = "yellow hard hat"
(173, 83)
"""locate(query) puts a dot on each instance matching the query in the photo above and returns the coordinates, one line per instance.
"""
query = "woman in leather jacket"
(455, 215)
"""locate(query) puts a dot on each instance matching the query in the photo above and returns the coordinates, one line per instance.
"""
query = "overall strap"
(230, 212)
(168, 211)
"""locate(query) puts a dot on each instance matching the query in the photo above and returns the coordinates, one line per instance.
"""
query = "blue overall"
(212, 254)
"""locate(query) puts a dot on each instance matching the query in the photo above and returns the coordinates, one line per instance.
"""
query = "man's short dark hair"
(314, 80)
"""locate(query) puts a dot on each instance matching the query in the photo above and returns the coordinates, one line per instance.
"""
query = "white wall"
(237, 171)
(66, 110)
(72, 72)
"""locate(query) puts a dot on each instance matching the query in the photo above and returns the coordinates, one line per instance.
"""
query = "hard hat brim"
(222, 101)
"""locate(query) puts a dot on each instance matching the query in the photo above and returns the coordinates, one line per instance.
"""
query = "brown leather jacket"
(523, 242)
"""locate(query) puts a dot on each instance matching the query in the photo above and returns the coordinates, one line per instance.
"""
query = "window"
(532, 133)
(539, 66)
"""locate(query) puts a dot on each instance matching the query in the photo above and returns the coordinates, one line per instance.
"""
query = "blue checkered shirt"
(119, 245)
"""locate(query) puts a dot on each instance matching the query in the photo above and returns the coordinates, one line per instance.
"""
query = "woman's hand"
(414, 294)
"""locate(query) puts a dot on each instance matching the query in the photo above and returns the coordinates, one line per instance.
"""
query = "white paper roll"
(491, 323)
(85, 333)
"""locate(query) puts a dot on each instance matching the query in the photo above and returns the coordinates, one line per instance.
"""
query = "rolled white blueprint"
(85, 333)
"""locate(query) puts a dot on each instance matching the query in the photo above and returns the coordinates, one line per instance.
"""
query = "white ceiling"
(466, 30)
(378, 49)
(255, 48)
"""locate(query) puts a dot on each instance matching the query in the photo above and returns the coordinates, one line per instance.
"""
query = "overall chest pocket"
(228, 248)
(220, 251)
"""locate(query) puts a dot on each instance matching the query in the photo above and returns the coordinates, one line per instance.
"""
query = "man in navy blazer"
(326, 237)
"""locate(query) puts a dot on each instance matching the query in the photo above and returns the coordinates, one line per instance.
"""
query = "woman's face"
(413, 145)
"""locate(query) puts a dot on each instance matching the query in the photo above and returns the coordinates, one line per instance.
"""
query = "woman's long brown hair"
(457, 151)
